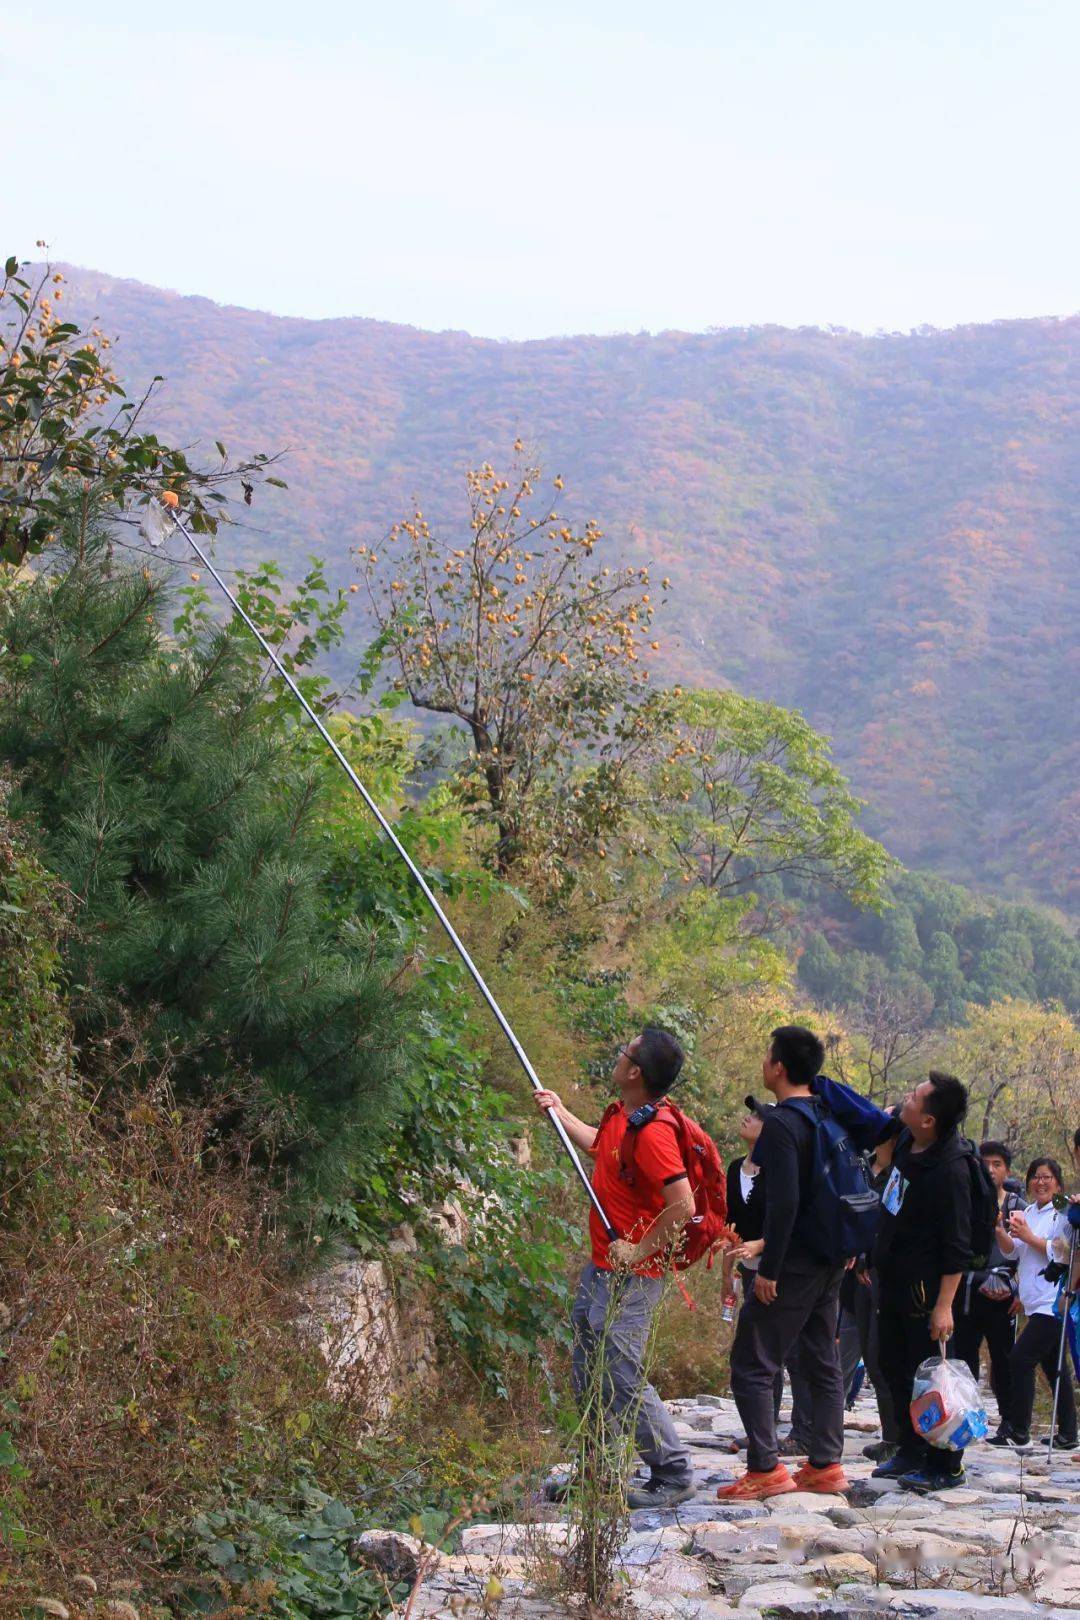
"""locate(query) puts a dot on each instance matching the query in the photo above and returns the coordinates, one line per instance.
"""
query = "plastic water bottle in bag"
(946, 1407)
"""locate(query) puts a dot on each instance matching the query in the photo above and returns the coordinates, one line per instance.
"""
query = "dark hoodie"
(930, 1234)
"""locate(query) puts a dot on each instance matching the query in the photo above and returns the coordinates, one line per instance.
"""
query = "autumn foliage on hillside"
(876, 530)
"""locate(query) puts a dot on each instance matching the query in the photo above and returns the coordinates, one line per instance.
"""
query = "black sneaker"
(1060, 1443)
(660, 1493)
(880, 1451)
(560, 1490)
(790, 1447)
(896, 1467)
(927, 1478)
(1009, 1437)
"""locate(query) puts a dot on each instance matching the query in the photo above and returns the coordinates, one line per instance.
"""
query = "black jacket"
(785, 1152)
(746, 1215)
(929, 1236)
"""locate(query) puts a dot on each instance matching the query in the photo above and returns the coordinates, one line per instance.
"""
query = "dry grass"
(691, 1346)
(151, 1350)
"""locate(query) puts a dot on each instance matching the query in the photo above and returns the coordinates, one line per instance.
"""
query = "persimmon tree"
(511, 630)
(739, 790)
(68, 433)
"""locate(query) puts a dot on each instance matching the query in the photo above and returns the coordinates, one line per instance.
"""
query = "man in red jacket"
(621, 1287)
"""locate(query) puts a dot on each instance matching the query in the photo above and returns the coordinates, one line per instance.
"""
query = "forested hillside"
(239, 1065)
(877, 530)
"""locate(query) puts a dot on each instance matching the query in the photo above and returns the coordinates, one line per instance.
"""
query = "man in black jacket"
(922, 1251)
(795, 1293)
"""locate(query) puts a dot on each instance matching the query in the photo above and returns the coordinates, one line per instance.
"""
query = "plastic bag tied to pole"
(946, 1407)
(154, 525)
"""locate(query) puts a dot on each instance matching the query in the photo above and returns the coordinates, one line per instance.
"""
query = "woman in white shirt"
(1030, 1235)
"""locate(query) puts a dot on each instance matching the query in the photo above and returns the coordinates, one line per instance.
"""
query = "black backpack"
(840, 1217)
(984, 1208)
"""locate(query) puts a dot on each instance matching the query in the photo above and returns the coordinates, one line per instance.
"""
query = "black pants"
(903, 1342)
(805, 1309)
(988, 1319)
(866, 1315)
(848, 1350)
(1038, 1346)
(848, 1346)
(800, 1401)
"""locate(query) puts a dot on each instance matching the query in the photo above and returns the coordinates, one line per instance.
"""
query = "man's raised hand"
(548, 1099)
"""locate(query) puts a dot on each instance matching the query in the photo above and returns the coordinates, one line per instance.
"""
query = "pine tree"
(171, 796)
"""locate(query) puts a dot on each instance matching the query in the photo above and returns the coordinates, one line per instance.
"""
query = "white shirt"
(1037, 1296)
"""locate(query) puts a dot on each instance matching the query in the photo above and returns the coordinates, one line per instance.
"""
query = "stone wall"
(375, 1342)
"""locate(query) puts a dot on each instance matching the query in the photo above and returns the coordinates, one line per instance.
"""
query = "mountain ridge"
(88, 274)
(878, 529)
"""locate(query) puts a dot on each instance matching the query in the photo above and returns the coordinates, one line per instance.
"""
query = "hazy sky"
(519, 168)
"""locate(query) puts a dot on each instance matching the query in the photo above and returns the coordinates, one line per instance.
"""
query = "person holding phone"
(1031, 1233)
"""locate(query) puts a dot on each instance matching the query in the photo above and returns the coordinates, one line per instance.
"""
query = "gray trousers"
(611, 1318)
(805, 1309)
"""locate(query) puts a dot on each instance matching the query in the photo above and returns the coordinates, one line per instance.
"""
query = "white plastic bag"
(155, 524)
(946, 1407)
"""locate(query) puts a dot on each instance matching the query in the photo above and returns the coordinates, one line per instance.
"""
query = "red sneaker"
(826, 1481)
(755, 1487)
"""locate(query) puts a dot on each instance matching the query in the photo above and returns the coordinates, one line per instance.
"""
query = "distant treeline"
(938, 942)
(879, 531)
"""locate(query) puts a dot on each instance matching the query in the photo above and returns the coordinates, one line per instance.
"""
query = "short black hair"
(799, 1050)
(659, 1057)
(947, 1102)
(1045, 1164)
(996, 1150)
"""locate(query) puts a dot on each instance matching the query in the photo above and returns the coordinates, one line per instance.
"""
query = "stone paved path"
(1006, 1545)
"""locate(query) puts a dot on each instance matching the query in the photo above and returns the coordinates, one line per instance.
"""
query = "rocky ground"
(1007, 1544)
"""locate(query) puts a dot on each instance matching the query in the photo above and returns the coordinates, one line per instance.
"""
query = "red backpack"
(704, 1171)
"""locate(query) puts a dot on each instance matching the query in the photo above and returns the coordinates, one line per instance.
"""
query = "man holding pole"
(621, 1286)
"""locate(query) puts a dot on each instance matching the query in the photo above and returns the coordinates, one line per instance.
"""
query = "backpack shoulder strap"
(674, 1117)
(605, 1119)
(609, 1113)
(807, 1107)
(628, 1151)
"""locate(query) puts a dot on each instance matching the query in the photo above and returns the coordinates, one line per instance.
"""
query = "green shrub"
(288, 1556)
(170, 795)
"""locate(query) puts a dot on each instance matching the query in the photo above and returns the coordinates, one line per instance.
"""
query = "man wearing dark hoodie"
(922, 1251)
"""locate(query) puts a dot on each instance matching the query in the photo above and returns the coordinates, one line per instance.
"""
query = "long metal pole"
(418, 876)
(1066, 1301)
